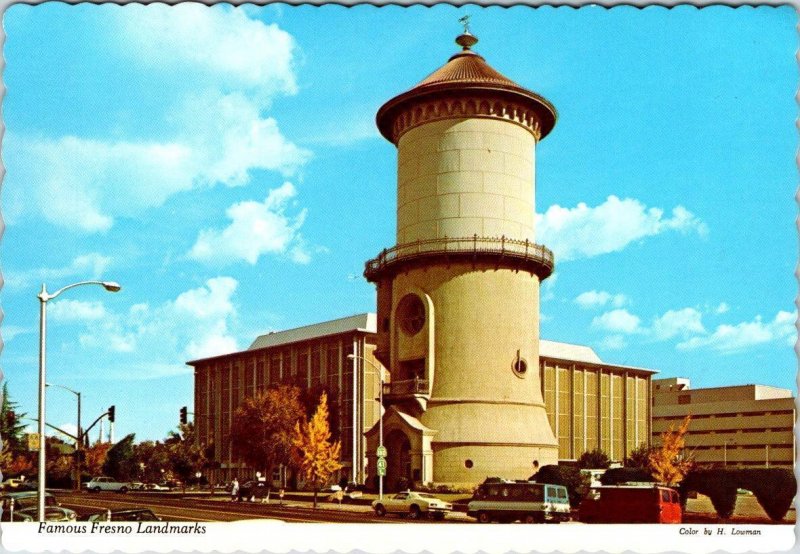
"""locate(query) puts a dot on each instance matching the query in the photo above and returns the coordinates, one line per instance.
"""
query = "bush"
(773, 487)
(570, 477)
(594, 459)
(719, 485)
(619, 475)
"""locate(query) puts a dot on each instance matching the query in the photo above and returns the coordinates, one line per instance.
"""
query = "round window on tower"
(411, 314)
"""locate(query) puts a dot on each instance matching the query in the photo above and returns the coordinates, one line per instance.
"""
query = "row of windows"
(724, 415)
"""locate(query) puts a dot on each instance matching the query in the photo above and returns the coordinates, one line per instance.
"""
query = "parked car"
(98, 484)
(137, 486)
(253, 490)
(13, 483)
(631, 504)
(130, 514)
(23, 506)
(155, 487)
(412, 504)
(526, 501)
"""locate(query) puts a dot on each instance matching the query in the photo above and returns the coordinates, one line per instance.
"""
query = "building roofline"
(600, 365)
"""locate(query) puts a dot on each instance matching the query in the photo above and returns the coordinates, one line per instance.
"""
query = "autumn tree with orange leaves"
(315, 457)
(667, 463)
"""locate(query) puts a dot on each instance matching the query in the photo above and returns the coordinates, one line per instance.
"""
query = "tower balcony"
(406, 387)
(503, 252)
(411, 395)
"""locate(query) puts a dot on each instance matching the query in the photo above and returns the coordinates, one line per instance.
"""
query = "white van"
(529, 502)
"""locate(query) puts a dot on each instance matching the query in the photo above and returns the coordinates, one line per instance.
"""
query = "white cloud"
(8, 332)
(735, 338)
(613, 342)
(225, 69)
(585, 232)
(196, 324)
(684, 322)
(76, 310)
(722, 308)
(256, 229)
(596, 299)
(87, 266)
(548, 288)
(617, 321)
(220, 44)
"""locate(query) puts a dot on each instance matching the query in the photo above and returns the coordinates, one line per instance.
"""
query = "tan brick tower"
(458, 296)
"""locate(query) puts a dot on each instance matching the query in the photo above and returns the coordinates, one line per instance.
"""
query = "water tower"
(458, 295)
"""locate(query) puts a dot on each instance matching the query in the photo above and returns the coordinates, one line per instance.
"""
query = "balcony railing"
(502, 251)
(410, 386)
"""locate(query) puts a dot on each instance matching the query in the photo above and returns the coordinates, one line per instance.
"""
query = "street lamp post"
(45, 297)
(380, 414)
(79, 434)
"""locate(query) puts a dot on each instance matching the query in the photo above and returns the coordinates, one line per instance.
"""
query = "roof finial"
(465, 22)
(466, 40)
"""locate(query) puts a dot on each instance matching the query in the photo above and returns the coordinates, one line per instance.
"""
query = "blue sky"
(222, 164)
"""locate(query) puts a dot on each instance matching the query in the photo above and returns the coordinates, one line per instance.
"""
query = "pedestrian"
(234, 490)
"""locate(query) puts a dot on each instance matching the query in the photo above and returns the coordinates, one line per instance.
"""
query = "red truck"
(631, 504)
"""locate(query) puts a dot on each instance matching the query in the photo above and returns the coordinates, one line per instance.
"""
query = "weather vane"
(465, 22)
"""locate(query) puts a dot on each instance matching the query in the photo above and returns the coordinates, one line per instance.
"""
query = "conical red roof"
(466, 74)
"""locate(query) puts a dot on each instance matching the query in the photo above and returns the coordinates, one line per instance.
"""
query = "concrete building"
(583, 395)
(315, 358)
(458, 295)
(740, 426)
(593, 404)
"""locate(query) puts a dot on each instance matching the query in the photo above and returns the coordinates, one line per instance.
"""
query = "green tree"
(186, 456)
(263, 426)
(577, 484)
(12, 430)
(594, 459)
(120, 460)
(152, 457)
(314, 455)
(639, 457)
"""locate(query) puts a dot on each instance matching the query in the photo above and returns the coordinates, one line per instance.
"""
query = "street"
(175, 508)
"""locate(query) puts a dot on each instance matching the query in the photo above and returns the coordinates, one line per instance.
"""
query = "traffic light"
(184, 415)
(111, 410)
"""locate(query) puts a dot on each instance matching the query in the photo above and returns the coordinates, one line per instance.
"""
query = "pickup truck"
(98, 484)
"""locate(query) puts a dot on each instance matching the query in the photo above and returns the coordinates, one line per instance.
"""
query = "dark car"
(132, 514)
(253, 490)
(25, 507)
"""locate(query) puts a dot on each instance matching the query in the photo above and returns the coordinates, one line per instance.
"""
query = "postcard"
(401, 278)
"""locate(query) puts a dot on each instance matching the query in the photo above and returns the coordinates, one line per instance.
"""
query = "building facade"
(592, 404)
(315, 358)
(735, 426)
(589, 403)
(458, 294)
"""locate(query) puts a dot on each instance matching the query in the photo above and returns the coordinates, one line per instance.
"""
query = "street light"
(79, 434)
(725, 451)
(380, 414)
(45, 297)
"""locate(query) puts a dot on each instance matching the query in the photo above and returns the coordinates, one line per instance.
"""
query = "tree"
(11, 430)
(186, 456)
(152, 457)
(314, 455)
(120, 460)
(95, 458)
(667, 463)
(594, 459)
(577, 484)
(263, 426)
(639, 457)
